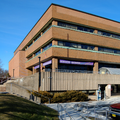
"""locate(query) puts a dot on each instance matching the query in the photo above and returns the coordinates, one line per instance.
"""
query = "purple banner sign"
(47, 63)
(65, 61)
(75, 62)
(36, 67)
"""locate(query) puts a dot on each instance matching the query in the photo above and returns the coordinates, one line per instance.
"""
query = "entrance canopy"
(105, 70)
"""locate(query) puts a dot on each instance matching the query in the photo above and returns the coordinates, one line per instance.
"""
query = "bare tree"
(3, 73)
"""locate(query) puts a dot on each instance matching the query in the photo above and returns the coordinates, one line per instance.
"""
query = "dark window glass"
(100, 49)
(79, 46)
(108, 50)
(38, 52)
(37, 37)
(29, 57)
(117, 51)
(67, 44)
(80, 28)
(84, 46)
(61, 43)
(91, 30)
(71, 26)
(74, 45)
(90, 48)
(48, 46)
(30, 44)
(108, 34)
(47, 28)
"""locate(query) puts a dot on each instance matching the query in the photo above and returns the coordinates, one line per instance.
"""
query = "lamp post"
(39, 75)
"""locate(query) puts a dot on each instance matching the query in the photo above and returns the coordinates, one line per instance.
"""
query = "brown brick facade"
(25, 58)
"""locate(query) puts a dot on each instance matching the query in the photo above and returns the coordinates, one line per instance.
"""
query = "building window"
(76, 27)
(29, 57)
(30, 44)
(38, 52)
(47, 46)
(108, 50)
(36, 38)
(108, 34)
(60, 43)
(47, 28)
(87, 29)
(75, 45)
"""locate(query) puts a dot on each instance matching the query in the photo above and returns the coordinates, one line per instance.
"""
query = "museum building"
(68, 40)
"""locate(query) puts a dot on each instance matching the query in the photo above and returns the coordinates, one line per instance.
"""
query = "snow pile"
(84, 110)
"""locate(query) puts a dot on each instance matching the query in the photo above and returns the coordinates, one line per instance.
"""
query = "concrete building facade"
(68, 39)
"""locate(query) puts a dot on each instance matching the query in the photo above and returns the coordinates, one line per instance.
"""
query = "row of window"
(75, 45)
(39, 35)
(86, 29)
(108, 34)
(89, 47)
(38, 52)
(79, 46)
(67, 25)
(109, 50)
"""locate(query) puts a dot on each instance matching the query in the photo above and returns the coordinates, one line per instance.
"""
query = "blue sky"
(17, 17)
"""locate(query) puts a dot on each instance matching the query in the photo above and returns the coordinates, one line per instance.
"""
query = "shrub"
(69, 96)
(57, 98)
(45, 93)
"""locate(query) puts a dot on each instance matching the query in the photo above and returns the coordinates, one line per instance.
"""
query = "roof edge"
(67, 8)
(34, 26)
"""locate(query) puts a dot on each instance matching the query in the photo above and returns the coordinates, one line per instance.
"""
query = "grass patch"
(15, 108)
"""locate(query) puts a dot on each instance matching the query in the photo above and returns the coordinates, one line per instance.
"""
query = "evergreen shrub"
(68, 96)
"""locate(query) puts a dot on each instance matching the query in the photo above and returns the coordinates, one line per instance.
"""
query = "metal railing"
(49, 99)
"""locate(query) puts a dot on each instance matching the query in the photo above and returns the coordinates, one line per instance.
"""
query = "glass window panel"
(85, 29)
(71, 26)
(38, 52)
(91, 30)
(46, 47)
(67, 44)
(60, 43)
(108, 34)
(104, 33)
(61, 24)
(37, 37)
(80, 28)
(99, 32)
(90, 47)
(84, 46)
(79, 46)
(100, 49)
(30, 44)
(74, 45)
(118, 51)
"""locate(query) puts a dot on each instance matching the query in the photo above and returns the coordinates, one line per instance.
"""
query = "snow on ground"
(84, 110)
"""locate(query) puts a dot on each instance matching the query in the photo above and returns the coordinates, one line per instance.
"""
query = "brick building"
(68, 39)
